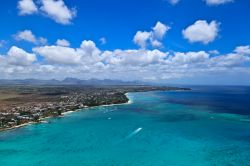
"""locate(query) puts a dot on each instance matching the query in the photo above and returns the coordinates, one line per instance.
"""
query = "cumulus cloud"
(159, 30)
(153, 37)
(217, 2)
(28, 36)
(54, 9)
(134, 58)
(63, 42)
(229, 60)
(243, 50)
(201, 31)
(190, 57)
(88, 61)
(58, 54)
(58, 11)
(89, 47)
(19, 57)
(87, 53)
(27, 7)
(141, 38)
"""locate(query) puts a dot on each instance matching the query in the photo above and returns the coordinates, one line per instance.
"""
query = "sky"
(162, 41)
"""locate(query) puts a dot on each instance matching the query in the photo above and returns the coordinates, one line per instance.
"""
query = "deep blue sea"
(208, 126)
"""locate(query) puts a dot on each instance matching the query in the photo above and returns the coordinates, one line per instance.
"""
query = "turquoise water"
(154, 130)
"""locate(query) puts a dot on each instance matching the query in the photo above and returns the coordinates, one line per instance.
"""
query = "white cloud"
(28, 36)
(19, 57)
(240, 56)
(63, 55)
(153, 37)
(2, 60)
(63, 42)
(190, 57)
(201, 31)
(58, 54)
(141, 38)
(89, 52)
(27, 7)
(160, 30)
(133, 58)
(217, 2)
(243, 50)
(88, 61)
(89, 48)
(54, 9)
(229, 60)
(58, 11)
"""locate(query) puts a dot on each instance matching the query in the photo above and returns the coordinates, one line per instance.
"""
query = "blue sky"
(181, 54)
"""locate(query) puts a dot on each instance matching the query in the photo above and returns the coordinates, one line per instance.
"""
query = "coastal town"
(27, 104)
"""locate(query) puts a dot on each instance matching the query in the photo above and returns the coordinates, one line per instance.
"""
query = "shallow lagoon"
(158, 128)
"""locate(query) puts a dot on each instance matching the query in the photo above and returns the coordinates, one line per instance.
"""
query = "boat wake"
(133, 133)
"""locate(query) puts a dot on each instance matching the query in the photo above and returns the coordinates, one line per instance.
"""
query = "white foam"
(68, 112)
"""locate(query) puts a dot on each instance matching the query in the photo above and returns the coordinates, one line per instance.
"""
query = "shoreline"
(105, 105)
(42, 120)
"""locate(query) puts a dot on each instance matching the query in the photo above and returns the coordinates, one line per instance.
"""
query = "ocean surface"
(208, 126)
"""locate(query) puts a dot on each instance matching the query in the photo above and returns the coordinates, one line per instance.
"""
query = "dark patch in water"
(219, 99)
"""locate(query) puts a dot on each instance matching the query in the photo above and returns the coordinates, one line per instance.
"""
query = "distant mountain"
(68, 81)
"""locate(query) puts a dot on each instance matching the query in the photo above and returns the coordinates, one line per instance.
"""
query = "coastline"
(108, 105)
(42, 120)
(19, 126)
(225, 116)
